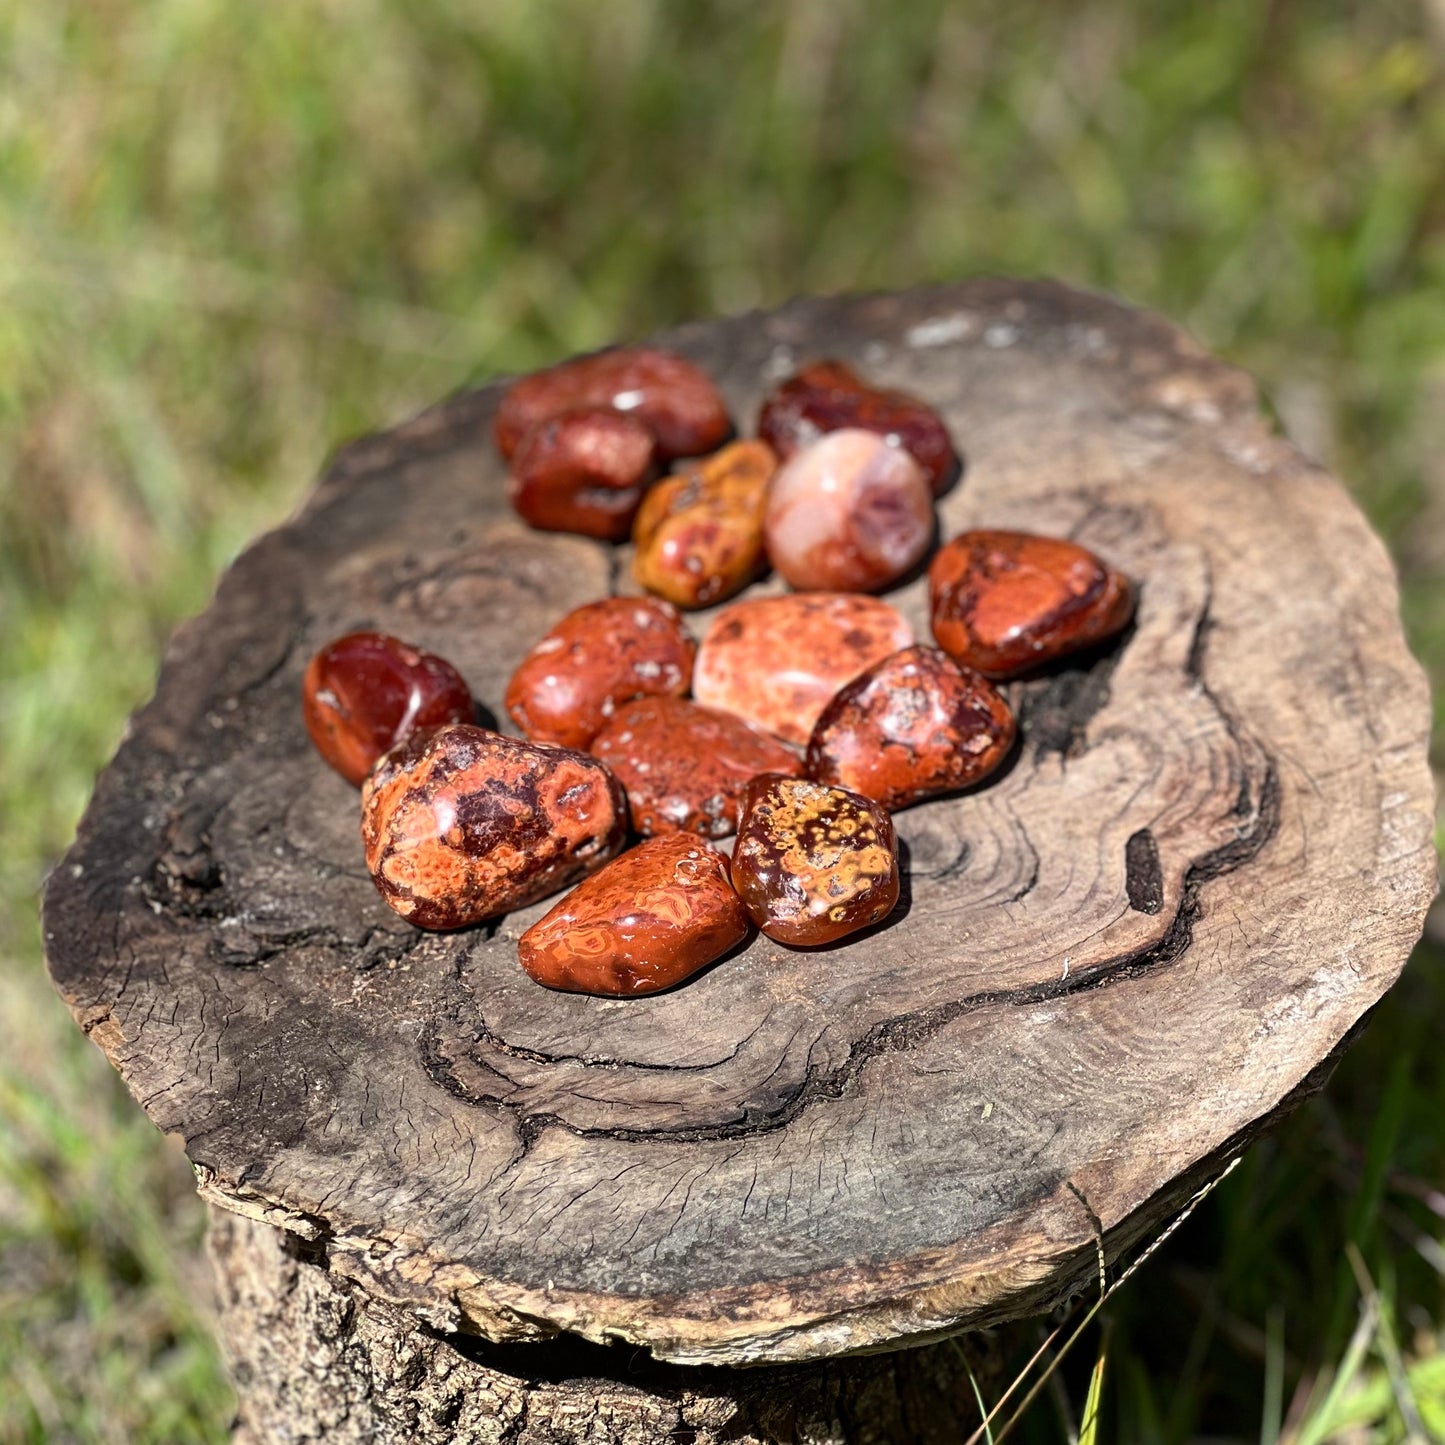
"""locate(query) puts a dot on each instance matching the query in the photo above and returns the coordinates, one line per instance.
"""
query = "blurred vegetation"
(232, 236)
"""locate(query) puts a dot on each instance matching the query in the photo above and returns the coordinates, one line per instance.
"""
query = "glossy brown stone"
(584, 471)
(830, 395)
(913, 726)
(462, 824)
(645, 922)
(813, 862)
(685, 766)
(674, 398)
(699, 534)
(365, 692)
(1005, 603)
(777, 660)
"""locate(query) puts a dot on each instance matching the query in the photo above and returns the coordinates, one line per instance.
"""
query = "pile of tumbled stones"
(813, 716)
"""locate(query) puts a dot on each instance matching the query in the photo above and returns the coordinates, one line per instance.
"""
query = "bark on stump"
(1111, 969)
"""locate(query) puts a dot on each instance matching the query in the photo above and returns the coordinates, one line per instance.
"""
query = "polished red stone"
(813, 862)
(673, 397)
(596, 658)
(645, 922)
(365, 692)
(830, 395)
(777, 660)
(685, 766)
(1005, 603)
(461, 824)
(584, 471)
(913, 726)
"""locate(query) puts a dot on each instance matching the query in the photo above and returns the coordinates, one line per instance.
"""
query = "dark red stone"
(645, 922)
(364, 693)
(913, 726)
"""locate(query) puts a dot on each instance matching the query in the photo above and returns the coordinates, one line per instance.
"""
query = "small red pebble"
(913, 726)
(364, 693)
(813, 862)
(830, 395)
(648, 920)
(596, 658)
(674, 398)
(462, 824)
(684, 767)
(1008, 602)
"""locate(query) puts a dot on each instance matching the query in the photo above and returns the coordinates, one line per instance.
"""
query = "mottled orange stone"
(645, 922)
(1008, 602)
(913, 726)
(813, 862)
(675, 398)
(777, 660)
(596, 658)
(699, 533)
(462, 824)
(685, 766)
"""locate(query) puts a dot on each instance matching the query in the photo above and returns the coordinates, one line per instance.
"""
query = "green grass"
(231, 236)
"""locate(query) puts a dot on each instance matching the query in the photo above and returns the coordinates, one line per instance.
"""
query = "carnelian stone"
(596, 658)
(913, 726)
(830, 395)
(1008, 602)
(674, 398)
(777, 660)
(685, 766)
(645, 922)
(461, 824)
(813, 862)
(365, 692)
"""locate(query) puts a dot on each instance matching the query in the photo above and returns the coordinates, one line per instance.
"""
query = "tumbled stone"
(913, 726)
(584, 471)
(830, 395)
(849, 513)
(674, 398)
(461, 824)
(364, 693)
(685, 766)
(1008, 602)
(645, 922)
(777, 660)
(813, 862)
(699, 533)
(596, 658)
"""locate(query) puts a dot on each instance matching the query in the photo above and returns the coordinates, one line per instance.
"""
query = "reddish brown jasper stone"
(583, 471)
(365, 692)
(595, 659)
(911, 727)
(685, 766)
(1008, 602)
(777, 660)
(645, 922)
(699, 534)
(461, 824)
(829, 395)
(675, 399)
(813, 862)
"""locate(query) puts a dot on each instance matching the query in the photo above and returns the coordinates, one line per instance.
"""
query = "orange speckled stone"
(699, 534)
(913, 726)
(777, 660)
(596, 658)
(685, 766)
(1008, 602)
(814, 862)
(462, 824)
(645, 922)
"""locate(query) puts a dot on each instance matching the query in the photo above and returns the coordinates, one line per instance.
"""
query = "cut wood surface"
(1112, 966)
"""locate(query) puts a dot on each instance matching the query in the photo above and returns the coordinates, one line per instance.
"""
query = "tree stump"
(1111, 969)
